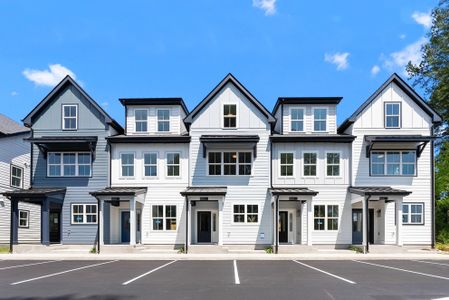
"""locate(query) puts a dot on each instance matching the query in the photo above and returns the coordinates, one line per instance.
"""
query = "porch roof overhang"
(292, 191)
(417, 142)
(211, 141)
(377, 191)
(119, 191)
(36, 194)
(139, 139)
(65, 143)
(312, 138)
(205, 191)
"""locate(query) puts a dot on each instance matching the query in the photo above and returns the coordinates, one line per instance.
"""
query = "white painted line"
(63, 272)
(403, 270)
(28, 265)
(432, 263)
(327, 273)
(444, 298)
(147, 273)
(236, 273)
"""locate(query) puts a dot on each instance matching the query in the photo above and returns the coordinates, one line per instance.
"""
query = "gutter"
(432, 178)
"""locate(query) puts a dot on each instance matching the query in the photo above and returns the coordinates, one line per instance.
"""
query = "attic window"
(230, 116)
(393, 115)
(70, 117)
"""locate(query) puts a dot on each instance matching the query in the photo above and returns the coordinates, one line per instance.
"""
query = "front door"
(125, 227)
(55, 228)
(357, 226)
(371, 226)
(283, 227)
(204, 227)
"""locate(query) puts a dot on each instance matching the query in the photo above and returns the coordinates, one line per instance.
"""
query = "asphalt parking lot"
(112, 279)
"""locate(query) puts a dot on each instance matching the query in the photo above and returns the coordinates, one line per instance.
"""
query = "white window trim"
(236, 117)
(237, 163)
(313, 119)
(409, 204)
(400, 164)
(76, 165)
(27, 218)
(167, 165)
(11, 176)
(339, 164)
(280, 164)
(165, 121)
(164, 218)
(221, 163)
(245, 214)
(120, 165)
(399, 115)
(303, 118)
(326, 217)
(63, 117)
(144, 165)
(85, 214)
(141, 121)
(303, 164)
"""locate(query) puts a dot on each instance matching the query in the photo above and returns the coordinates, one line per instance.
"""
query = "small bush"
(4, 249)
(269, 250)
(93, 250)
(443, 235)
(442, 247)
(181, 250)
(356, 249)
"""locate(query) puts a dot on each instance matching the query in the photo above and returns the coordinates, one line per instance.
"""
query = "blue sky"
(184, 48)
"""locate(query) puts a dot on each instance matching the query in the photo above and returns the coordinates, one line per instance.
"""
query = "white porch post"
(101, 222)
(365, 224)
(399, 222)
(309, 222)
(190, 226)
(220, 221)
(132, 222)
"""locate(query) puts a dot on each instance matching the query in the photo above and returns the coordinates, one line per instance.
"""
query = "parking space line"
(432, 263)
(28, 265)
(236, 273)
(327, 273)
(403, 270)
(62, 272)
(147, 273)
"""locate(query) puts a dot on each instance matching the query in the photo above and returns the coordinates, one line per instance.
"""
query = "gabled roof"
(436, 118)
(30, 118)
(218, 88)
(9, 127)
(155, 101)
(305, 100)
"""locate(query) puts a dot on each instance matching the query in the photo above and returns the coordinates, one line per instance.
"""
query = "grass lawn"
(4, 249)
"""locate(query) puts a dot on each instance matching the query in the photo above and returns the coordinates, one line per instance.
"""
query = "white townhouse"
(14, 175)
(231, 173)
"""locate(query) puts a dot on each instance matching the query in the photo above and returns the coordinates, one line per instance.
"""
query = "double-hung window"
(333, 164)
(141, 118)
(70, 117)
(310, 163)
(16, 176)
(24, 218)
(248, 213)
(150, 164)
(325, 219)
(164, 217)
(319, 119)
(229, 163)
(127, 160)
(392, 115)
(84, 164)
(163, 120)
(214, 160)
(286, 164)
(173, 164)
(230, 116)
(297, 119)
(245, 163)
(73, 164)
(412, 213)
(84, 213)
(393, 163)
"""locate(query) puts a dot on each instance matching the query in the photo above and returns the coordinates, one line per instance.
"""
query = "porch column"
(399, 222)
(220, 221)
(186, 241)
(309, 222)
(14, 225)
(100, 224)
(45, 222)
(132, 222)
(365, 201)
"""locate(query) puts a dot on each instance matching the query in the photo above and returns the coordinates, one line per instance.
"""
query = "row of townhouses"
(229, 172)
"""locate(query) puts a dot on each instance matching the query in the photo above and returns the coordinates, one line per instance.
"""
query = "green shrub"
(356, 249)
(181, 250)
(93, 250)
(443, 236)
(269, 250)
(442, 247)
(4, 249)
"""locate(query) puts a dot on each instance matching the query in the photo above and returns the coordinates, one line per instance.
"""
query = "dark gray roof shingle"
(9, 126)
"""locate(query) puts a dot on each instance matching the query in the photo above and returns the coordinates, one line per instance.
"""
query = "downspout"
(432, 179)
(367, 223)
(11, 237)
(186, 248)
(31, 158)
(277, 225)
(98, 226)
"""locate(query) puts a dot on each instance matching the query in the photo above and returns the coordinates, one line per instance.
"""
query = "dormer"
(155, 116)
(306, 115)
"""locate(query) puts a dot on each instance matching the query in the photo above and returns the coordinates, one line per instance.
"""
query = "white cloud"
(14, 93)
(50, 77)
(402, 36)
(374, 70)
(105, 104)
(399, 59)
(269, 6)
(423, 18)
(340, 59)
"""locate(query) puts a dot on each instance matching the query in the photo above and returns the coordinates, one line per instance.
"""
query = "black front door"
(371, 226)
(204, 227)
(55, 228)
(125, 227)
(357, 226)
(283, 227)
